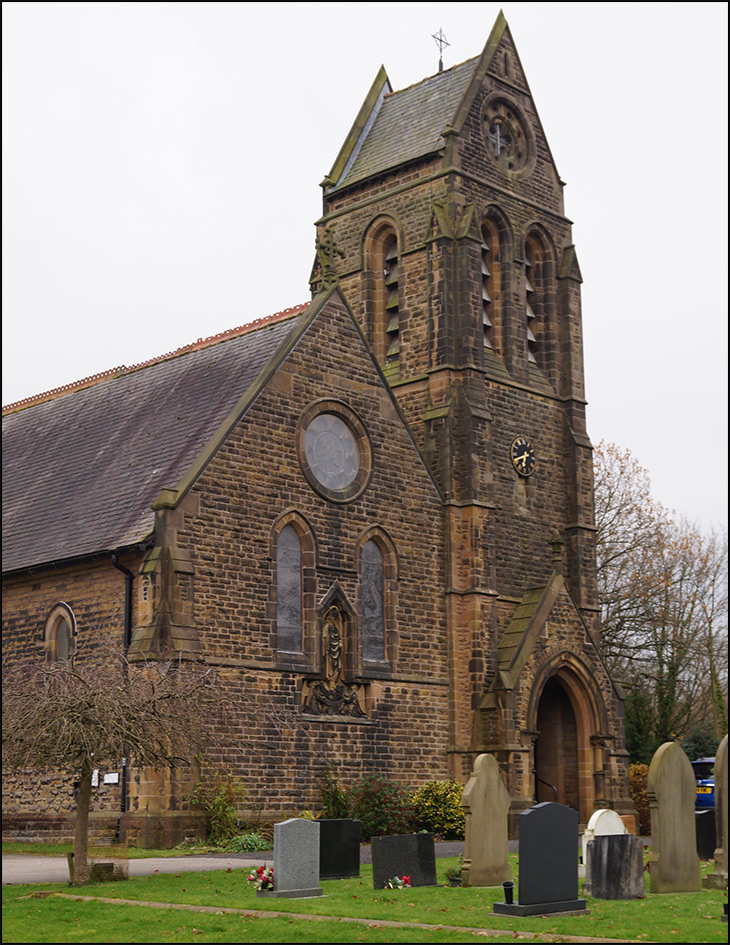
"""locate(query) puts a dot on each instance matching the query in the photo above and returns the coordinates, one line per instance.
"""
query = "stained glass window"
(373, 605)
(289, 591)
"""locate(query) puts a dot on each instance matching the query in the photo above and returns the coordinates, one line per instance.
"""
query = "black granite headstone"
(548, 877)
(411, 855)
(616, 867)
(706, 838)
(339, 849)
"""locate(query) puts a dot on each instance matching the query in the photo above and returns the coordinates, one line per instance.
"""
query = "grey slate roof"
(81, 470)
(409, 123)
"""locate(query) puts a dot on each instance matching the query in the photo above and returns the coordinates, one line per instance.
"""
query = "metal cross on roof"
(441, 42)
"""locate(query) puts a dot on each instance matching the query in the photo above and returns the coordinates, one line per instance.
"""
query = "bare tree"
(94, 709)
(663, 595)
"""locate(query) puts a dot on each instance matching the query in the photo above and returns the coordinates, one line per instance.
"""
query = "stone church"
(373, 512)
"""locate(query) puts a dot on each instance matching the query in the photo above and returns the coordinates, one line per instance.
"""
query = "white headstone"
(603, 823)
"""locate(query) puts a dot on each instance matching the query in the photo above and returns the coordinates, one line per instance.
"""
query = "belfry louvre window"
(289, 610)
(489, 277)
(530, 298)
(392, 316)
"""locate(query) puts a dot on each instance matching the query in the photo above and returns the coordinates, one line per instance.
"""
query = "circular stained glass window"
(331, 451)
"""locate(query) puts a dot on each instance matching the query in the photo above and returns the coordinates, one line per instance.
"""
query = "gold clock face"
(523, 457)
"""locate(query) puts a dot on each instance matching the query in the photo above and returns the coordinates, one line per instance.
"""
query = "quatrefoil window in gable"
(334, 450)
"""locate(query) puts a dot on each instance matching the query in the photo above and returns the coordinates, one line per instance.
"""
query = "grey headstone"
(411, 855)
(296, 860)
(548, 878)
(718, 878)
(486, 803)
(616, 866)
(339, 849)
(673, 864)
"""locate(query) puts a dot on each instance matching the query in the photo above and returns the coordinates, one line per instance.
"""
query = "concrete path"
(25, 868)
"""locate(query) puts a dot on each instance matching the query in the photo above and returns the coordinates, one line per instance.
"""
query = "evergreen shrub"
(382, 806)
(638, 779)
(250, 841)
(439, 810)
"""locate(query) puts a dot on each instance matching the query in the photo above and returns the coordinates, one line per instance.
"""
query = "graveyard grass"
(33, 914)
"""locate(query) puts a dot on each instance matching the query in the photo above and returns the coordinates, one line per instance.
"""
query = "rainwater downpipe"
(128, 582)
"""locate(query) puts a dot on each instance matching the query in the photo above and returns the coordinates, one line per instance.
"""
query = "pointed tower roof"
(402, 126)
(394, 128)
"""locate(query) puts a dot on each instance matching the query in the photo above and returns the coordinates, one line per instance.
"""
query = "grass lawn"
(29, 915)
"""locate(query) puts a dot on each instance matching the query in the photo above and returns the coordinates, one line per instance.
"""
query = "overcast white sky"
(162, 161)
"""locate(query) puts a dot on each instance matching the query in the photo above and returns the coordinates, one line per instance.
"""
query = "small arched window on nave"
(59, 640)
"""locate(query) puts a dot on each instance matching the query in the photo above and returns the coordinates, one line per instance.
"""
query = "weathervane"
(441, 42)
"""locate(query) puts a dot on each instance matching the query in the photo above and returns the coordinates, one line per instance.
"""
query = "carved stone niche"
(335, 692)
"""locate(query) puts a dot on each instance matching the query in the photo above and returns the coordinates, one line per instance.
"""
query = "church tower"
(443, 222)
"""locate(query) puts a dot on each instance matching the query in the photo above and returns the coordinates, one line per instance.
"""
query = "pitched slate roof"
(81, 467)
(408, 124)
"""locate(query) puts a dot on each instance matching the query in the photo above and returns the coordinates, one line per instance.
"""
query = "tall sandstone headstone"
(486, 803)
(718, 878)
(673, 865)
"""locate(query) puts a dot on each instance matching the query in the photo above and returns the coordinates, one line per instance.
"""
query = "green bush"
(638, 779)
(219, 795)
(335, 799)
(250, 841)
(382, 806)
(439, 810)
(700, 742)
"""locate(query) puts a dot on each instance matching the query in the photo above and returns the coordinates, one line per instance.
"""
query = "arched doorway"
(556, 747)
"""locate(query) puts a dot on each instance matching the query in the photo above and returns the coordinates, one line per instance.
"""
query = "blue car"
(704, 769)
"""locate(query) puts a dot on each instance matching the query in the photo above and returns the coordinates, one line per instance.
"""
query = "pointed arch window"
(378, 635)
(289, 604)
(60, 633)
(373, 602)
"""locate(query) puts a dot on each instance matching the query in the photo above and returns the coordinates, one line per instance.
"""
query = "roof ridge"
(123, 369)
(429, 77)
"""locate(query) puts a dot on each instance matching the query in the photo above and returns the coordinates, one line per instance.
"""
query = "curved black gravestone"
(548, 878)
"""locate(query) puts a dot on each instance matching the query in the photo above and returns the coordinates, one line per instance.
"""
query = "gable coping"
(169, 498)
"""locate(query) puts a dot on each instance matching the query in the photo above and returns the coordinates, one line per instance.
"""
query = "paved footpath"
(25, 868)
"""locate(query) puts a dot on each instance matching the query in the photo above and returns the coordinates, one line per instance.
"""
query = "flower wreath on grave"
(398, 882)
(262, 877)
